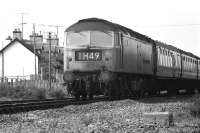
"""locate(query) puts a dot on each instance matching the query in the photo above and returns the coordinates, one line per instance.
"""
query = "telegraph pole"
(56, 26)
(22, 23)
(2, 64)
(34, 49)
(49, 60)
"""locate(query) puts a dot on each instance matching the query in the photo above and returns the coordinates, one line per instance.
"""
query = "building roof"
(23, 42)
(104, 25)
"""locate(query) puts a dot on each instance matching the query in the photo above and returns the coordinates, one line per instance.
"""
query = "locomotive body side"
(134, 56)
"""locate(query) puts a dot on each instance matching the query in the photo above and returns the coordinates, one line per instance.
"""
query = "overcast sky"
(176, 22)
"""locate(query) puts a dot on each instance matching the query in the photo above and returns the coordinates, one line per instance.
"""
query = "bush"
(12, 92)
(57, 93)
(195, 109)
(20, 92)
(4, 91)
(36, 93)
(17, 92)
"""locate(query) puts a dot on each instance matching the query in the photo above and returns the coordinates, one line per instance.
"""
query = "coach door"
(139, 58)
(173, 65)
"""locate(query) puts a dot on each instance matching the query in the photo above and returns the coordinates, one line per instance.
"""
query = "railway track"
(11, 107)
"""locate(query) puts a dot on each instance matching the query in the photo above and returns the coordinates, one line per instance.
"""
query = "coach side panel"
(189, 70)
(168, 63)
(198, 69)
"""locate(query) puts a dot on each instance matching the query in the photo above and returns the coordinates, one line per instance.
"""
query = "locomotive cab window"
(101, 38)
(78, 38)
(91, 38)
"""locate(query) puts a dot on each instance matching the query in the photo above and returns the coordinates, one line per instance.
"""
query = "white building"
(17, 59)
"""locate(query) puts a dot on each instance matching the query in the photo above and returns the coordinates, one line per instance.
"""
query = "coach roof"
(104, 25)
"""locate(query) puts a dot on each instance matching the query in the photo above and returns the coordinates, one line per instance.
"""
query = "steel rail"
(31, 105)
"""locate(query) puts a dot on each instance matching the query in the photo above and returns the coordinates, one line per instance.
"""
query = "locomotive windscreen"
(92, 38)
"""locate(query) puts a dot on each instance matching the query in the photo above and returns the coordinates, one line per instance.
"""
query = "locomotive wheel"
(126, 90)
(116, 89)
(84, 95)
(143, 88)
(190, 91)
(77, 90)
(89, 93)
(77, 95)
(89, 89)
(104, 89)
(111, 91)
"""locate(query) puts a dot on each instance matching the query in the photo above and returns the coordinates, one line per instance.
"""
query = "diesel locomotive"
(101, 57)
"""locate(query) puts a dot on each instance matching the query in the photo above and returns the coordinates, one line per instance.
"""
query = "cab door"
(139, 57)
(119, 51)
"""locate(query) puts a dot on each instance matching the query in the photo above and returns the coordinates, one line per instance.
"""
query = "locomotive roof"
(104, 25)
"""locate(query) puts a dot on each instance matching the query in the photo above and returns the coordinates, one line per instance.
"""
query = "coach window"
(186, 62)
(167, 63)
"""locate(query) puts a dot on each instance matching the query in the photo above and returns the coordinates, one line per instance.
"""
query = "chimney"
(36, 40)
(17, 34)
(54, 41)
